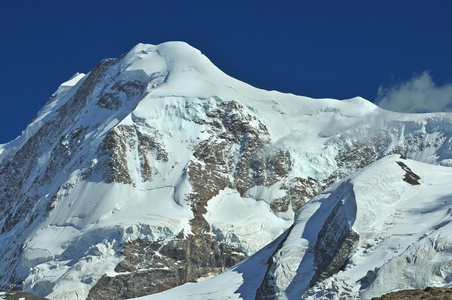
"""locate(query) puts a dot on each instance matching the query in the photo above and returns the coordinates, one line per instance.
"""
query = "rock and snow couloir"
(156, 169)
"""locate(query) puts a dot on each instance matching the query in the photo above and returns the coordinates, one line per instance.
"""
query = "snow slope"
(404, 240)
(153, 144)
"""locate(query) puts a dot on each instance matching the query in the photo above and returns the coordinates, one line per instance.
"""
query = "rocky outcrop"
(129, 141)
(430, 293)
(18, 295)
(121, 93)
(239, 155)
(154, 266)
(24, 169)
(268, 290)
(46, 151)
(298, 191)
(410, 177)
(335, 242)
(330, 252)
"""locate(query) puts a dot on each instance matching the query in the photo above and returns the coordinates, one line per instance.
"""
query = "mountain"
(157, 169)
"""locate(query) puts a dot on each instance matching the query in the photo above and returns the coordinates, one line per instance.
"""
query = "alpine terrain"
(158, 175)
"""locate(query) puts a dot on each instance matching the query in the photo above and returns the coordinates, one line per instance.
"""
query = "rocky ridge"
(430, 293)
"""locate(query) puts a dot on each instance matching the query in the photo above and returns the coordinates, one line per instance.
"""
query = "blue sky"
(388, 51)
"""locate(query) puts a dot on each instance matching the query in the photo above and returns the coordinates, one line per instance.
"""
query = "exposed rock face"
(120, 94)
(236, 158)
(124, 139)
(34, 164)
(23, 170)
(152, 267)
(18, 295)
(297, 192)
(335, 242)
(410, 176)
(241, 149)
(267, 290)
(430, 293)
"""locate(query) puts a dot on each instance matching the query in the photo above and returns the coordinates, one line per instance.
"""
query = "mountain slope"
(366, 235)
(157, 167)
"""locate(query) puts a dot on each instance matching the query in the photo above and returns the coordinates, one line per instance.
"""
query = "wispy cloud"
(418, 95)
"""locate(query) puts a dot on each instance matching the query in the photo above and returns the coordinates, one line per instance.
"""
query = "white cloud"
(418, 95)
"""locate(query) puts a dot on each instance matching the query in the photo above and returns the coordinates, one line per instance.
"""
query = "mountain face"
(386, 227)
(157, 169)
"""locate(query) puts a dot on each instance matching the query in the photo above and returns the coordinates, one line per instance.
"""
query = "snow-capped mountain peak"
(159, 167)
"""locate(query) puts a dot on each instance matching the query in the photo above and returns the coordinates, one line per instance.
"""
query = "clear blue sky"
(336, 49)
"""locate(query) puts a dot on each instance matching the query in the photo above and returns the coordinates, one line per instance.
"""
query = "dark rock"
(429, 293)
(111, 98)
(298, 192)
(410, 176)
(152, 267)
(266, 290)
(335, 242)
(19, 295)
